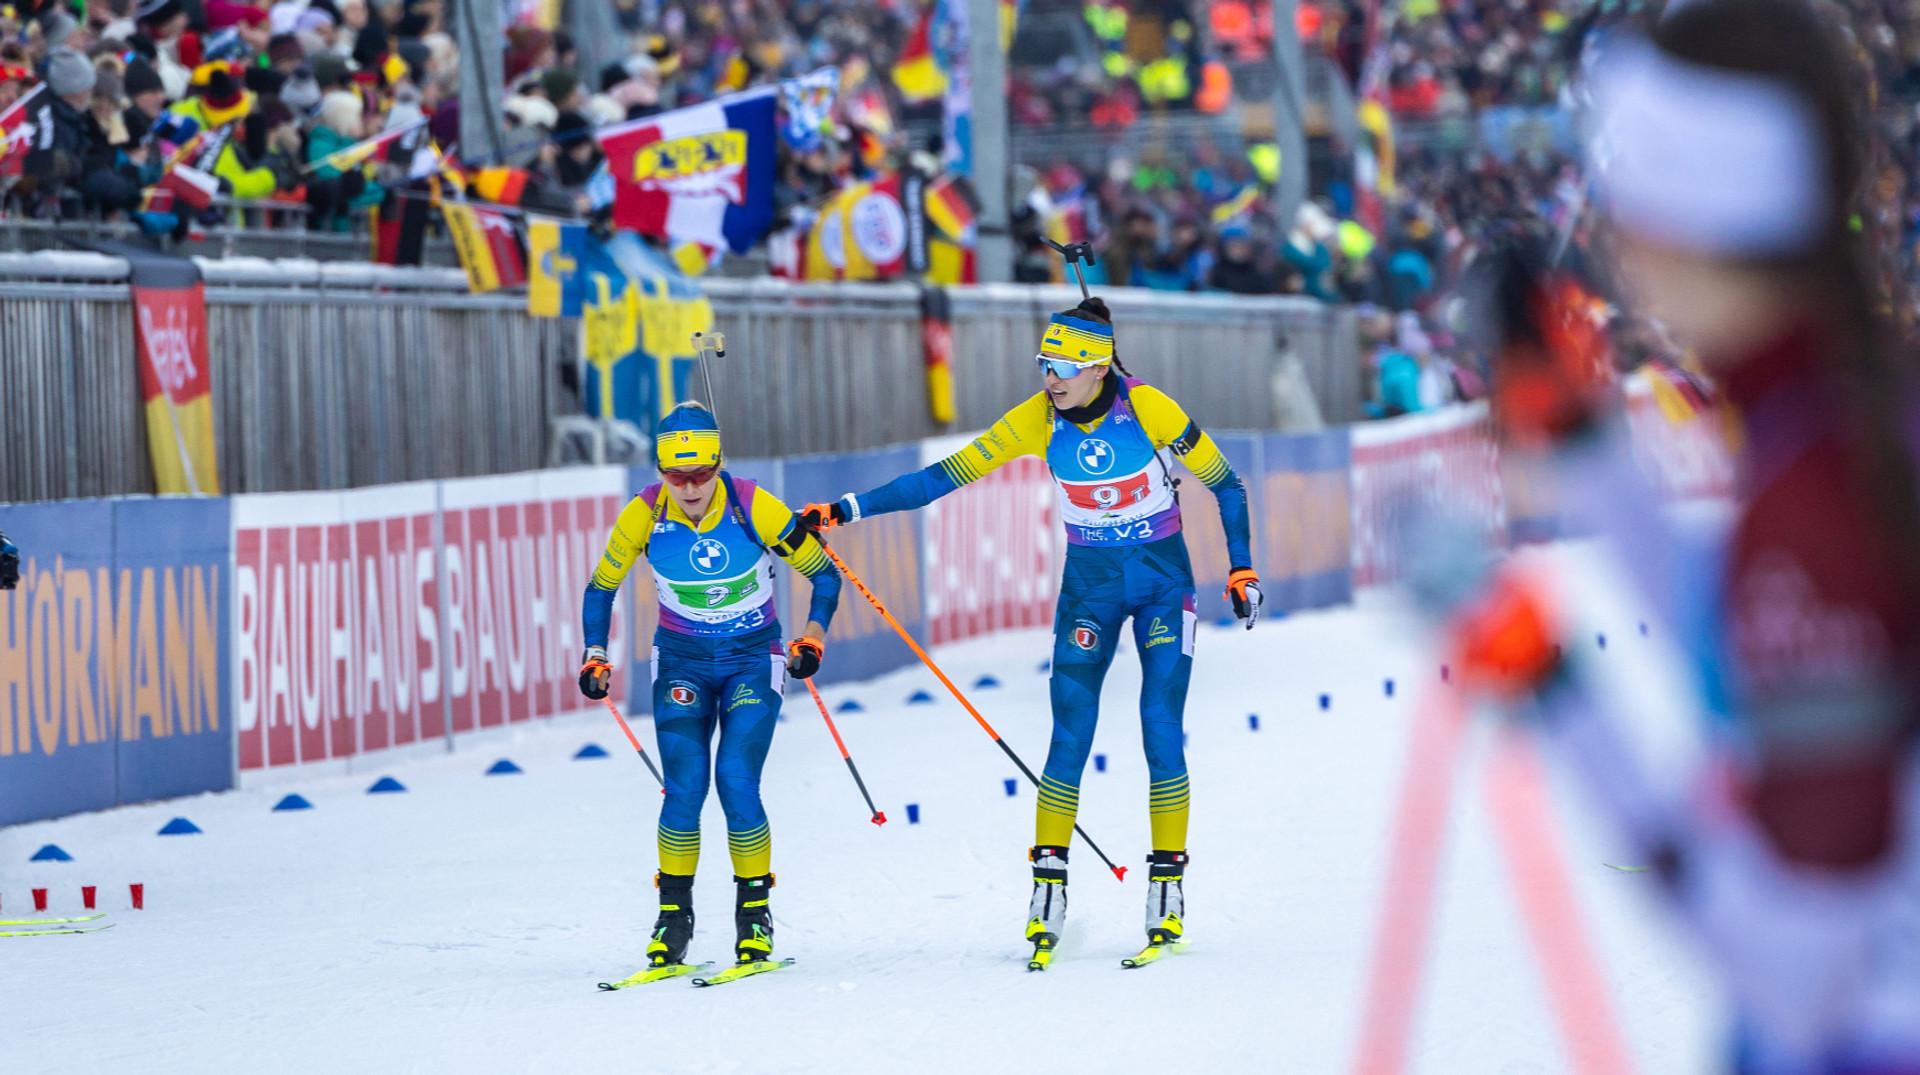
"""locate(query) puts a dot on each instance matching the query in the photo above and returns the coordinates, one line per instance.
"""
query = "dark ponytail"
(1094, 308)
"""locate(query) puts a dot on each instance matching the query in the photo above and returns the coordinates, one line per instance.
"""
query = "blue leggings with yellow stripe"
(1101, 589)
(699, 686)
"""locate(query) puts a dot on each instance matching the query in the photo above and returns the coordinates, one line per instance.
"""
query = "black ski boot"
(674, 928)
(752, 918)
(1047, 907)
(1166, 900)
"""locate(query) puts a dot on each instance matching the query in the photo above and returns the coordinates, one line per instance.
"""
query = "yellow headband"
(1085, 342)
(692, 448)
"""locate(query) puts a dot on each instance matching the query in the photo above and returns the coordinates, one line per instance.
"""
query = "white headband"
(1708, 160)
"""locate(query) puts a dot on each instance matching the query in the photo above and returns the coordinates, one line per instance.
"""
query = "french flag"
(701, 174)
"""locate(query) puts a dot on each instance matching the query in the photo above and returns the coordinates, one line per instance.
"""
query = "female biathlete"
(1105, 439)
(717, 661)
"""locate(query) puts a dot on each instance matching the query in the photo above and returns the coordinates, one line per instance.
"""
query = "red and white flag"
(189, 186)
(17, 130)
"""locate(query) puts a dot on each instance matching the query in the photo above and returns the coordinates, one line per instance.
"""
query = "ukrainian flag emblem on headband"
(1087, 342)
(694, 448)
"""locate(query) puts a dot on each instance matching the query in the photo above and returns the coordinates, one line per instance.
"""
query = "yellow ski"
(655, 974)
(744, 970)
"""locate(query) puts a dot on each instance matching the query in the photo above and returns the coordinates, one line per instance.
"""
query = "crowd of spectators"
(130, 84)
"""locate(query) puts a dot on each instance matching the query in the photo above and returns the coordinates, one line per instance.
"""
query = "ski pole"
(1119, 872)
(1406, 908)
(635, 740)
(878, 817)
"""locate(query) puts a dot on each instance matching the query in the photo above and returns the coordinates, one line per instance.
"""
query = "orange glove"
(803, 657)
(596, 675)
(815, 518)
(1506, 638)
(1243, 589)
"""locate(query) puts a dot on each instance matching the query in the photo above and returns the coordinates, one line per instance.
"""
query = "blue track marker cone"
(849, 706)
(295, 801)
(913, 813)
(1099, 763)
(385, 785)
(591, 750)
(1253, 722)
(985, 683)
(51, 853)
(1326, 701)
(1389, 688)
(1602, 639)
(919, 697)
(503, 767)
(179, 826)
(1013, 787)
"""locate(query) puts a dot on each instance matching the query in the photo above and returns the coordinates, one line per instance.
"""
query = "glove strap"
(851, 505)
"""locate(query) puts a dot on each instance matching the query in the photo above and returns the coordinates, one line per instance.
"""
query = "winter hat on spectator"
(284, 48)
(533, 111)
(415, 54)
(558, 84)
(342, 112)
(301, 94)
(141, 78)
(223, 98)
(601, 110)
(571, 128)
(330, 71)
(109, 86)
(189, 51)
(56, 26)
(69, 73)
(264, 81)
(150, 12)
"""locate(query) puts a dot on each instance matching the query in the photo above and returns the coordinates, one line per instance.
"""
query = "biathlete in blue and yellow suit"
(717, 660)
(1107, 440)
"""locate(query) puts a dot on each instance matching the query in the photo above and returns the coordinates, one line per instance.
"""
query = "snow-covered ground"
(462, 925)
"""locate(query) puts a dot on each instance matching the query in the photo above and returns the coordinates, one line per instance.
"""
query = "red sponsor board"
(1446, 457)
(993, 551)
(383, 617)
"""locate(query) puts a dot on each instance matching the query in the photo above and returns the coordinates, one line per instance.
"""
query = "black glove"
(9, 564)
(596, 675)
(803, 657)
(1243, 589)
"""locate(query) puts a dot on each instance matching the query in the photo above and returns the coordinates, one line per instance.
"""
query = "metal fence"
(330, 376)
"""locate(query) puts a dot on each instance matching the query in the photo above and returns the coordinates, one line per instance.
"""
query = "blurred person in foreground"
(1729, 152)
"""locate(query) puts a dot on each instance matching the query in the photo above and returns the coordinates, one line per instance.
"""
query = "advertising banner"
(113, 659)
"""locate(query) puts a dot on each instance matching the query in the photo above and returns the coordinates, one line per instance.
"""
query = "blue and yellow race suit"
(1125, 558)
(717, 658)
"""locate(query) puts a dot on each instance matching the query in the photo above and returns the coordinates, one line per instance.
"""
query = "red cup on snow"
(39, 899)
(139, 893)
(86, 895)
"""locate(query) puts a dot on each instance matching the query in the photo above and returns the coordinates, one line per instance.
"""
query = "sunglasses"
(684, 478)
(1062, 368)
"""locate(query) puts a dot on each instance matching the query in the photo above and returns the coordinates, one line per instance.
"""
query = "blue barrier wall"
(114, 683)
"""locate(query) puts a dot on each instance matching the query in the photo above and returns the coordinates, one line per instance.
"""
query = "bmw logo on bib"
(708, 556)
(1096, 456)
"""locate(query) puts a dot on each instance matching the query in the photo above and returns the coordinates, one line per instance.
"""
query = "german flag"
(488, 245)
(917, 73)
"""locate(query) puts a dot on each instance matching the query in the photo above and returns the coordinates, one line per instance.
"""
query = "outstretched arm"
(1021, 431)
